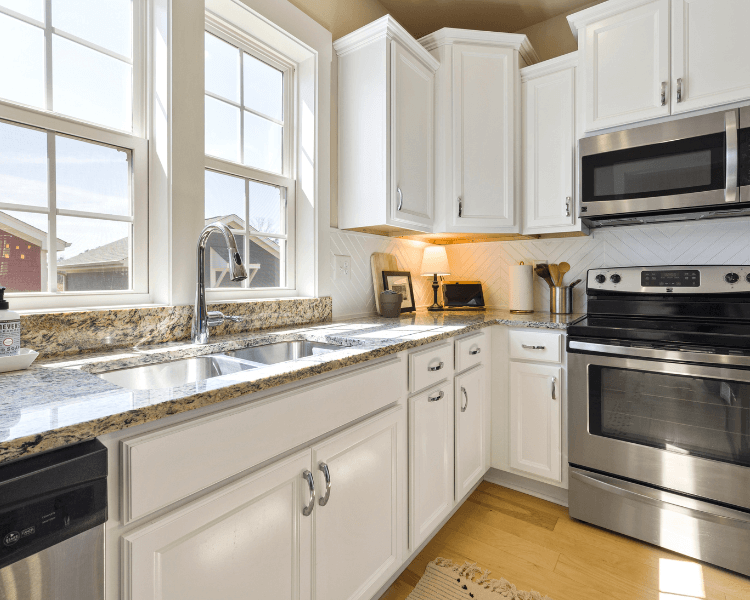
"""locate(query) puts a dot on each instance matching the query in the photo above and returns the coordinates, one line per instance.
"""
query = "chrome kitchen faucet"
(202, 318)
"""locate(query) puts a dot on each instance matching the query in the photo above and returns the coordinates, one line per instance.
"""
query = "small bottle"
(10, 328)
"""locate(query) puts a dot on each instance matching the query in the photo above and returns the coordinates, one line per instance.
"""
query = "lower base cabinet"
(471, 413)
(252, 538)
(430, 461)
(536, 419)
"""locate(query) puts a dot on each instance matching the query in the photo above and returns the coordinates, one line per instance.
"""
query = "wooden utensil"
(554, 273)
(564, 268)
(543, 272)
(379, 262)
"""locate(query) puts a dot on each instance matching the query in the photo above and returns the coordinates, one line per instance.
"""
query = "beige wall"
(553, 37)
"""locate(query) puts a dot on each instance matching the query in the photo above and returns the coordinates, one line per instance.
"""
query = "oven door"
(669, 167)
(681, 426)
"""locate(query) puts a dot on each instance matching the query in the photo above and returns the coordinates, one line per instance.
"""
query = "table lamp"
(434, 263)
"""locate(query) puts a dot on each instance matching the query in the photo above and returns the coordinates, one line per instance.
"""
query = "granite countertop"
(62, 401)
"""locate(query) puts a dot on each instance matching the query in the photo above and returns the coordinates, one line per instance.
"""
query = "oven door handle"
(732, 159)
(685, 356)
(663, 499)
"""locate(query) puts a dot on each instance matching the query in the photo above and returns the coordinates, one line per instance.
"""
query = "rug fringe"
(480, 576)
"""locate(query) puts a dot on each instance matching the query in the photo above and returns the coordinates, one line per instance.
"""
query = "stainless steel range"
(659, 401)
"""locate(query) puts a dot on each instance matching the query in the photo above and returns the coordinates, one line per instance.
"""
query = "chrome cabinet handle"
(400, 198)
(664, 93)
(533, 347)
(307, 510)
(730, 123)
(554, 386)
(475, 351)
(679, 90)
(437, 368)
(460, 207)
(568, 200)
(436, 398)
(327, 475)
(466, 396)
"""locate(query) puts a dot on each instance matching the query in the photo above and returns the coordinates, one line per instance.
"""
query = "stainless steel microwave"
(692, 168)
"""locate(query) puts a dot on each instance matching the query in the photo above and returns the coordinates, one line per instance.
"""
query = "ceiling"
(421, 17)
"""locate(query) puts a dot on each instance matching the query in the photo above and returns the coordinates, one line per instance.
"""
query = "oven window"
(680, 167)
(744, 138)
(709, 418)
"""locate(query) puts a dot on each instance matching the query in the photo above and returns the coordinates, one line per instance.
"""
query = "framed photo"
(400, 281)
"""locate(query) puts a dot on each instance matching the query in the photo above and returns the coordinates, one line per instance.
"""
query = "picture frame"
(400, 281)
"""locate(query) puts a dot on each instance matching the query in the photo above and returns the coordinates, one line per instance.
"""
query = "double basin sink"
(189, 370)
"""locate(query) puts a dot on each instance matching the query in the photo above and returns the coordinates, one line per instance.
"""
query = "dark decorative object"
(400, 281)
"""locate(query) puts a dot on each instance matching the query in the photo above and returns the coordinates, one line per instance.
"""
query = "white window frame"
(135, 141)
(287, 179)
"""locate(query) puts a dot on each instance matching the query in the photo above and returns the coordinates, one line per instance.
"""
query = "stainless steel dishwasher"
(52, 512)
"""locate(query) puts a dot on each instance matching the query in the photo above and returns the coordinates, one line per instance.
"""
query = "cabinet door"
(627, 66)
(412, 109)
(248, 539)
(470, 416)
(360, 530)
(707, 37)
(430, 461)
(536, 419)
(549, 151)
(484, 88)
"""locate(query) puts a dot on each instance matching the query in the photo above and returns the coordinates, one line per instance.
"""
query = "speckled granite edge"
(74, 332)
(150, 405)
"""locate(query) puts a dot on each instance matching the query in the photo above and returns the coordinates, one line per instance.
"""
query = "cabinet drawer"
(428, 367)
(164, 466)
(536, 346)
(470, 351)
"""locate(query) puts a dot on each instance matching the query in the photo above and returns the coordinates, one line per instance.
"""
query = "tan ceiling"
(421, 17)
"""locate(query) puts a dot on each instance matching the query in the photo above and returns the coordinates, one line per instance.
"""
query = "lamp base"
(434, 307)
(435, 286)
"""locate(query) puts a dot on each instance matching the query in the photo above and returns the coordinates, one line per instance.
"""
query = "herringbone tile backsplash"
(715, 242)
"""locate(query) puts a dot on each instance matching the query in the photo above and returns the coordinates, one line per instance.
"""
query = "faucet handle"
(215, 318)
(235, 319)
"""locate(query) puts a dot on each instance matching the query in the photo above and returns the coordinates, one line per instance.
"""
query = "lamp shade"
(435, 261)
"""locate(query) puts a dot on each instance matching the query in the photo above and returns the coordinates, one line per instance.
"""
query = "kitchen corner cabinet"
(640, 60)
(549, 138)
(536, 419)
(386, 90)
(477, 137)
(471, 415)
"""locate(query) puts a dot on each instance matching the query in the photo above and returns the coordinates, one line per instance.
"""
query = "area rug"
(444, 580)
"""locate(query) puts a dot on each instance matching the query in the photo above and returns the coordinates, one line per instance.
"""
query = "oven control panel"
(712, 279)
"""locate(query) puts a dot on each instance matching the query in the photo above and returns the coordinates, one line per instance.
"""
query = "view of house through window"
(248, 183)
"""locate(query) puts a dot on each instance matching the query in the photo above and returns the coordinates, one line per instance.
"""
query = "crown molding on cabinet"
(547, 67)
(448, 35)
(385, 26)
(601, 11)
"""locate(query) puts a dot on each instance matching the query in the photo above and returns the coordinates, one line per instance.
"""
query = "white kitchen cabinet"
(549, 139)
(431, 433)
(536, 419)
(477, 129)
(709, 38)
(360, 530)
(644, 59)
(471, 415)
(386, 130)
(249, 539)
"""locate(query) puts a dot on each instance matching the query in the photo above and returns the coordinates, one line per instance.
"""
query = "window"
(250, 184)
(73, 170)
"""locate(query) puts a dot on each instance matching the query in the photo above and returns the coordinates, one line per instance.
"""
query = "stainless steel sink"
(175, 373)
(270, 354)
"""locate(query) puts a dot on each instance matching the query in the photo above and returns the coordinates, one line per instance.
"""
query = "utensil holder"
(561, 300)
(390, 304)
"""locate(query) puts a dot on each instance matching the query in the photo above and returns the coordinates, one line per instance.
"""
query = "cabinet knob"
(679, 90)
(664, 93)
(400, 198)
(307, 476)
(436, 397)
(568, 200)
(475, 351)
(466, 397)
(437, 367)
(327, 475)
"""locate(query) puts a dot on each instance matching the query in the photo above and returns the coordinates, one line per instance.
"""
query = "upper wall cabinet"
(386, 130)
(638, 62)
(549, 137)
(477, 129)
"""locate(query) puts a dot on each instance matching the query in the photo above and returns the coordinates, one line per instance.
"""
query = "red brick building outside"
(20, 264)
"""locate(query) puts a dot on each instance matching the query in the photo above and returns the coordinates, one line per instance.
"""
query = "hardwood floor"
(534, 544)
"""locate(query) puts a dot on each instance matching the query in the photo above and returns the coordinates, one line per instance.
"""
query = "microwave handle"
(730, 122)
